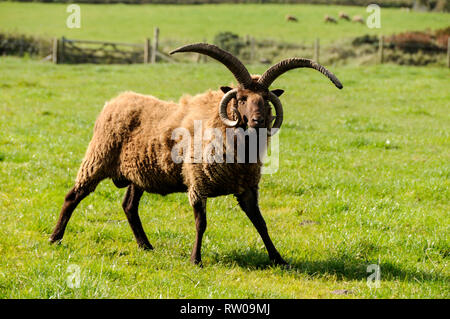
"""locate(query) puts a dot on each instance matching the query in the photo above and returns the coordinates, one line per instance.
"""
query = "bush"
(230, 42)
(442, 36)
(412, 42)
(365, 39)
(19, 44)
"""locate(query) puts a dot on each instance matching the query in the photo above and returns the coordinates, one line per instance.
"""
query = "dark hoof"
(286, 266)
(145, 246)
(53, 240)
(197, 262)
(280, 262)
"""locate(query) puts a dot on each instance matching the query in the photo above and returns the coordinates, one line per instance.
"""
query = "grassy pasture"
(133, 23)
(363, 179)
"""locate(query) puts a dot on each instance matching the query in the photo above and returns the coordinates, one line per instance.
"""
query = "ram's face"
(253, 107)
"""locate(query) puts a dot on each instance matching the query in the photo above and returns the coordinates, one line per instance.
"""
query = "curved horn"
(223, 108)
(233, 64)
(279, 112)
(281, 67)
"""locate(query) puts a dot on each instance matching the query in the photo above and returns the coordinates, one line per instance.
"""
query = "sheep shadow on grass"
(343, 267)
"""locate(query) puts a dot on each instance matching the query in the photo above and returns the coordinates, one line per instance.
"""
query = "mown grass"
(187, 23)
(363, 179)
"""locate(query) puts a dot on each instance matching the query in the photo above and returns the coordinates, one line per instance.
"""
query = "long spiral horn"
(281, 67)
(233, 64)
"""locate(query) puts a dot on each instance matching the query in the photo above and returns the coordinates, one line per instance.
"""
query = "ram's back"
(132, 143)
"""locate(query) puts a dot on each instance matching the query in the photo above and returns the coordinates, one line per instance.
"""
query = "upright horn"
(233, 64)
(283, 66)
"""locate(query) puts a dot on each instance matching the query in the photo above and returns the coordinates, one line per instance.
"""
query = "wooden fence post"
(381, 49)
(55, 51)
(61, 54)
(252, 50)
(147, 51)
(448, 52)
(316, 50)
(21, 47)
(155, 45)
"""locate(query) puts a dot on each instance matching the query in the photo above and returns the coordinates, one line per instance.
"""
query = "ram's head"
(252, 95)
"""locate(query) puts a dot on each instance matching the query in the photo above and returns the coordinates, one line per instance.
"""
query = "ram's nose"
(258, 121)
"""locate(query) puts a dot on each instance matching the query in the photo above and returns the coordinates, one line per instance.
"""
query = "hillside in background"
(180, 24)
(430, 4)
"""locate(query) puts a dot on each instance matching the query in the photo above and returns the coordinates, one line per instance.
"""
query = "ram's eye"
(242, 100)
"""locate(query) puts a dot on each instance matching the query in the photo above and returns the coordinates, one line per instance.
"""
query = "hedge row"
(418, 48)
(21, 45)
(384, 3)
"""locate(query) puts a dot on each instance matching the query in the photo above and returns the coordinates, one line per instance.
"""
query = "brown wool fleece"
(132, 143)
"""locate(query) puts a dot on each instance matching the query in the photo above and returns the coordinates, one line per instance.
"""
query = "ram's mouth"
(245, 122)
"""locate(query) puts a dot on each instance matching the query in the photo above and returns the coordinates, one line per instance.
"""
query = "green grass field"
(134, 23)
(368, 165)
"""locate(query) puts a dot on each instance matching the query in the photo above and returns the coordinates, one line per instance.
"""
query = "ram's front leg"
(249, 204)
(199, 207)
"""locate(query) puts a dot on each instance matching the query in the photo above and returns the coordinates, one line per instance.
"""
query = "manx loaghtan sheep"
(133, 145)
(358, 19)
(291, 18)
(329, 19)
(344, 16)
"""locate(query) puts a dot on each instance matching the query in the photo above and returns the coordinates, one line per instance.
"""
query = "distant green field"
(363, 179)
(134, 23)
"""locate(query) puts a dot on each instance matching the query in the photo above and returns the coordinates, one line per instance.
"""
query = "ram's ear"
(225, 89)
(277, 92)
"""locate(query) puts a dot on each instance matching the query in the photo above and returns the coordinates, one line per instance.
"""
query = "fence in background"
(87, 51)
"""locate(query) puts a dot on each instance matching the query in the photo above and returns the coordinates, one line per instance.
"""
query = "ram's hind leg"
(130, 206)
(71, 201)
(90, 174)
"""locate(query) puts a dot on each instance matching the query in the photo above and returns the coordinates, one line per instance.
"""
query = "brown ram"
(133, 145)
